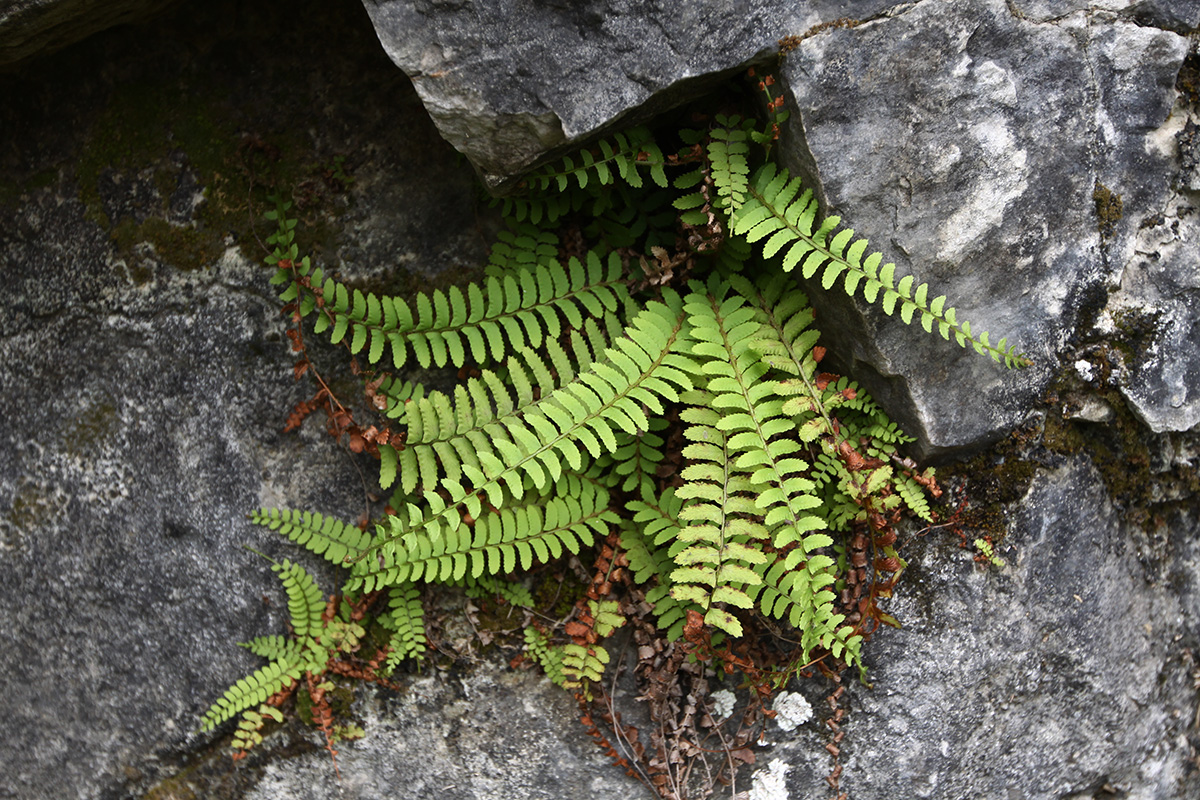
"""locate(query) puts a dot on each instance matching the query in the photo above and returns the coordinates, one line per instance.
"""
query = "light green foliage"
(988, 551)
(559, 438)
(784, 214)
(405, 618)
(252, 722)
(290, 658)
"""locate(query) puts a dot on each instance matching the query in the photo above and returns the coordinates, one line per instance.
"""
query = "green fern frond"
(273, 648)
(524, 247)
(624, 217)
(626, 155)
(251, 691)
(546, 655)
(398, 394)
(724, 329)
(582, 664)
(773, 213)
(656, 518)
(328, 537)
(714, 562)
(743, 424)
(306, 603)
(914, 497)
(445, 434)
(729, 159)
(405, 618)
(632, 466)
(247, 734)
(651, 563)
(505, 313)
(639, 369)
(495, 543)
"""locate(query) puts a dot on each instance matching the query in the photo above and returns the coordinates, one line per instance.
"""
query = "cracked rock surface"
(968, 140)
(983, 170)
(145, 377)
(509, 80)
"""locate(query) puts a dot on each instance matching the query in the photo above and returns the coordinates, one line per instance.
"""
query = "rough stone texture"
(493, 734)
(1063, 673)
(507, 81)
(30, 28)
(144, 379)
(976, 170)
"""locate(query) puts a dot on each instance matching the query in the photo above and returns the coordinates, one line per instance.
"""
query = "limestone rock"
(983, 170)
(493, 733)
(1060, 674)
(508, 81)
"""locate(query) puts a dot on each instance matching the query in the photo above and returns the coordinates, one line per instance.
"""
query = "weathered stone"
(144, 378)
(36, 27)
(493, 733)
(982, 170)
(508, 81)
(1062, 673)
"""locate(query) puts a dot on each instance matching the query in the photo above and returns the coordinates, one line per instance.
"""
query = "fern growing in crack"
(645, 383)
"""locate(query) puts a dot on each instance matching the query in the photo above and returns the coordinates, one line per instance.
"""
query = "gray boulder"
(507, 82)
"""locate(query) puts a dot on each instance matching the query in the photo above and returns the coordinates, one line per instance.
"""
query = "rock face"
(145, 376)
(983, 171)
(976, 166)
(1059, 675)
(507, 81)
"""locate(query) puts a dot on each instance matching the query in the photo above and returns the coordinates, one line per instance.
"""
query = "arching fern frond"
(639, 369)
(405, 618)
(328, 537)
(524, 247)
(778, 211)
(728, 155)
(273, 648)
(496, 542)
(626, 155)
(445, 433)
(252, 690)
(761, 445)
(306, 603)
(715, 562)
(548, 656)
(502, 315)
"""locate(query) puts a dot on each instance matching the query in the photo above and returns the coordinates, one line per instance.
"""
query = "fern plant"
(686, 326)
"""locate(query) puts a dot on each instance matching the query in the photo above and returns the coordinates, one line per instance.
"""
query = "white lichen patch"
(723, 702)
(770, 783)
(791, 710)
